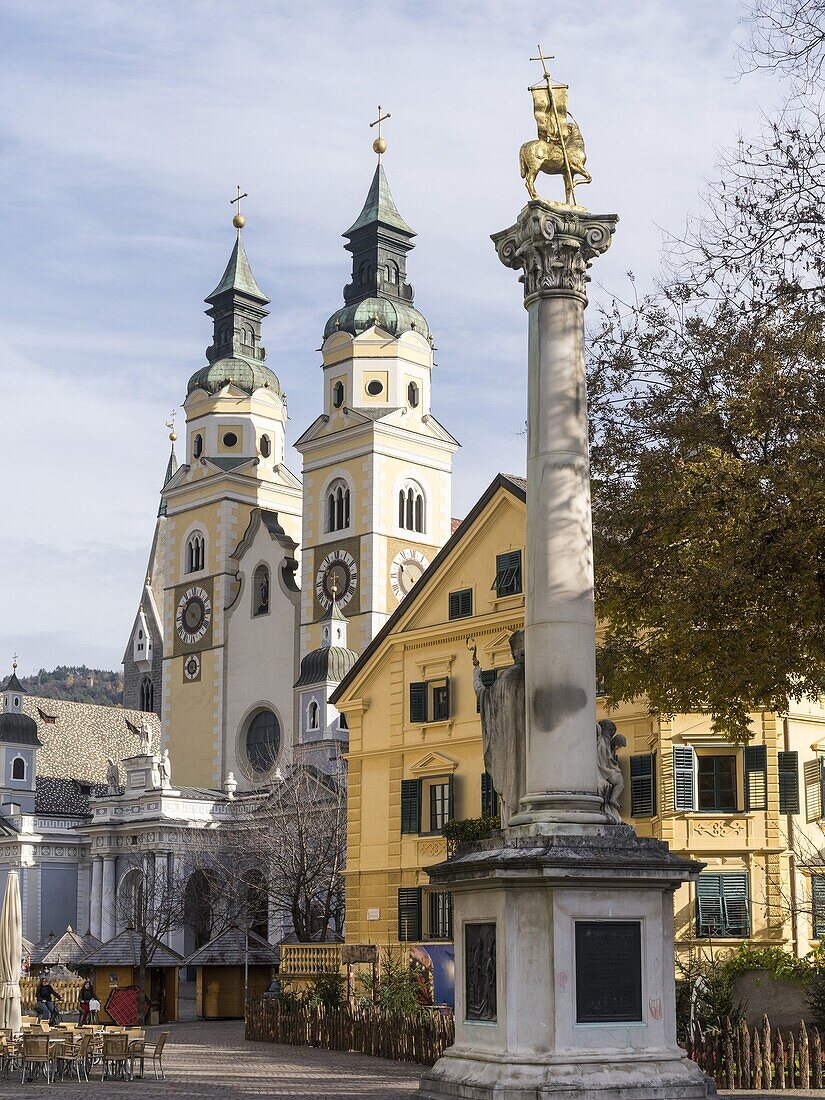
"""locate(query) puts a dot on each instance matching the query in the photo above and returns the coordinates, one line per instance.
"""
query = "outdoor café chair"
(36, 1053)
(78, 1057)
(115, 1055)
(137, 1053)
(156, 1053)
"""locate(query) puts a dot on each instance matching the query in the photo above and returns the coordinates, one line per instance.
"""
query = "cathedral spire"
(379, 240)
(237, 304)
(171, 465)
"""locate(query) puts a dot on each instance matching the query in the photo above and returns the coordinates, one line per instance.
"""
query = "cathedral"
(262, 586)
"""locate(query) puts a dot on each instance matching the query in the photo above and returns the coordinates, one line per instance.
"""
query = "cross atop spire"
(239, 221)
(379, 146)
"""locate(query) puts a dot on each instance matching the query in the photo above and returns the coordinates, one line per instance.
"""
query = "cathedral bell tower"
(233, 516)
(377, 465)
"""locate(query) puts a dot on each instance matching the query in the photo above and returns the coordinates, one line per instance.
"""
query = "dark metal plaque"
(608, 971)
(480, 971)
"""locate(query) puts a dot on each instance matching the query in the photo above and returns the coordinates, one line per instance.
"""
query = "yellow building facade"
(753, 815)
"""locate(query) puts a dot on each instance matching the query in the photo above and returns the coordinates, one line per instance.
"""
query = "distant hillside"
(78, 684)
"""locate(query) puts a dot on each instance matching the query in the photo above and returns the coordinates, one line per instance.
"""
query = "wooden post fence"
(764, 1058)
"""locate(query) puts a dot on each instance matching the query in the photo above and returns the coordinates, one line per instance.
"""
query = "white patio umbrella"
(11, 948)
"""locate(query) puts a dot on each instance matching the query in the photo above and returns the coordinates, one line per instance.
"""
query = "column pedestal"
(564, 972)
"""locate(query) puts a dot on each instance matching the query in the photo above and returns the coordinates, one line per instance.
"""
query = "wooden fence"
(68, 990)
(421, 1038)
(762, 1058)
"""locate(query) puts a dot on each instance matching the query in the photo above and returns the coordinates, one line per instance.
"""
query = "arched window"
(338, 506)
(411, 508)
(392, 272)
(195, 552)
(263, 739)
(257, 903)
(313, 716)
(18, 768)
(260, 591)
(131, 899)
(266, 446)
(197, 912)
(413, 396)
(338, 395)
(197, 446)
(248, 336)
(147, 694)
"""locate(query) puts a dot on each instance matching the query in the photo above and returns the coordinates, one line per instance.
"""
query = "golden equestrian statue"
(559, 150)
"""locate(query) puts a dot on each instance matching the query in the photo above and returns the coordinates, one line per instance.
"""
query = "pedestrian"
(87, 994)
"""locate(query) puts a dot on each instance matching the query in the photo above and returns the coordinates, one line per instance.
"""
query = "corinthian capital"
(553, 247)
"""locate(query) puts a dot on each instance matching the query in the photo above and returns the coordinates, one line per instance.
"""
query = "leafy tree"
(708, 440)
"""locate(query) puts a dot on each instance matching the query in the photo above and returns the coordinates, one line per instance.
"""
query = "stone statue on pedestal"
(503, 719)
(611, 780)
(165, 769)
(145, 738)
(112, 777)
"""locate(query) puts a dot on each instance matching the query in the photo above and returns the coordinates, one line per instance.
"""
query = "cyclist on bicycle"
(46, 996)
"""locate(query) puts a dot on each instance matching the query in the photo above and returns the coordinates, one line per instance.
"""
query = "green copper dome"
(246, 374)
(394, 317)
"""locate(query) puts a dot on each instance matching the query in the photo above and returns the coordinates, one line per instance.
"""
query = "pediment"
(434, 763)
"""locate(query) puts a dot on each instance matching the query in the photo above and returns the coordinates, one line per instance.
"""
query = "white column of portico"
(96, 897)
(553, 247)
(109, 902)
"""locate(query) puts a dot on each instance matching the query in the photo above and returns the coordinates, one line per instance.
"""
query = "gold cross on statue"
(544, 58)
(379, 146)
(239, 221)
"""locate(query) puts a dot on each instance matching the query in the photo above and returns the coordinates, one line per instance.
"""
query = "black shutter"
(756, 777)
(489, 798)
(788, 782)
(461, 604)
(451, 800)
(447, 699)
(411, 806)
(508, 579)
(643, 785)
(818, 906)
(418, 702)
(409, 913)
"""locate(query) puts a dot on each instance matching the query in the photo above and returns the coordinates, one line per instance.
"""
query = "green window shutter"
(461, 604)
(756, 777)
(709, 916)
(409, 913)
(812, 772)
(489, 798)
(684, 766)
(736, 904)
(788, 763)
(643, 785)
(418, 702)
(818, 906)
(451, 800)
(508, 579)
(411, 806)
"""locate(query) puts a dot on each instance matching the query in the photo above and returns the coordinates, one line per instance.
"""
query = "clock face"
(407, 567)
(192, 667)
(337, 572)
(194, 615)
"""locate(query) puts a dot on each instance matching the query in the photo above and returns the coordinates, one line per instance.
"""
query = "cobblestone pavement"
(213, 1060)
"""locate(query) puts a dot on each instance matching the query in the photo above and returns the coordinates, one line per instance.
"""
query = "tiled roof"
(124, 950)
(229, 949)
(70, 948)
(55, 794)
(82, 736)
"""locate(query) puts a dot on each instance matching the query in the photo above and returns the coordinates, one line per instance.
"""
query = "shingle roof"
(229, 949)
(18, 729)
(70, 948)
(57, 794)
(329, 663)
(13, 684)
(124, 950)
(379, 206)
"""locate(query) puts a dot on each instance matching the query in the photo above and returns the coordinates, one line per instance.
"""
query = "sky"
(124, 130)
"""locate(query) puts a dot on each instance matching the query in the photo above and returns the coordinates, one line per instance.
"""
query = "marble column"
(553, 248)
(96, 899)
(109, 901)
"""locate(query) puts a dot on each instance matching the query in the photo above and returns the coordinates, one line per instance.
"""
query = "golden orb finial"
(170, 424)
(379, 146)
(239, 221)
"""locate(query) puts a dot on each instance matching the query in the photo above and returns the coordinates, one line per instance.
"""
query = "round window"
(338, 395)
(266, 446)
(230, 439)
(374, 387)
(263, 739)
